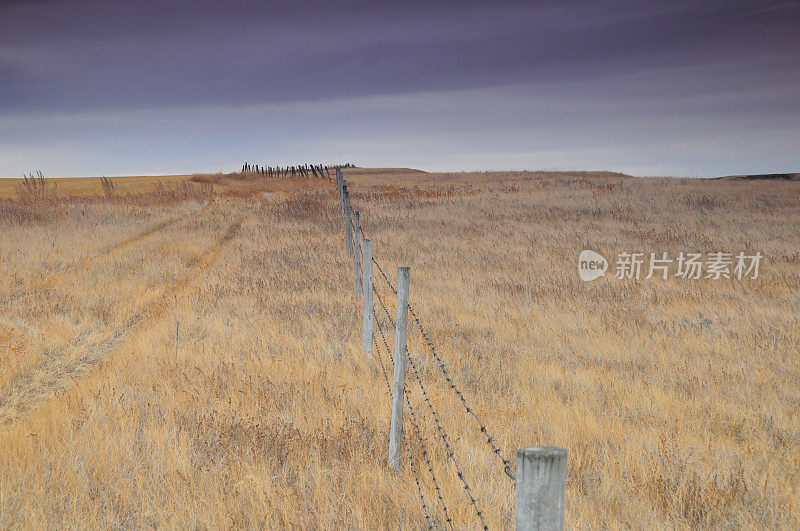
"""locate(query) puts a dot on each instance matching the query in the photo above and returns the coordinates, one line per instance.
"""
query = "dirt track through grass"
(70, 362)
(103, 253)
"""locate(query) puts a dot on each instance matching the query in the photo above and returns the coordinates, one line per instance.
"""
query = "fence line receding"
(540, 470)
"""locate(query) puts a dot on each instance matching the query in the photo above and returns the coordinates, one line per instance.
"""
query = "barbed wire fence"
(541, 471)
(540, 476)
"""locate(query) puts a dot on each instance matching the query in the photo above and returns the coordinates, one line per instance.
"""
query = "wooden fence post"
(339, 183)
(399, 381)
(348, 223)
(366, 279)
(367, 322)
(541, 479)
(344, 193)
(357, 250)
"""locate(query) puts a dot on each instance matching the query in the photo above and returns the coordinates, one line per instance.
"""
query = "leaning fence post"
(348, 223)
(399, 381)
(357, 250)
(366, 288)
(541, 479)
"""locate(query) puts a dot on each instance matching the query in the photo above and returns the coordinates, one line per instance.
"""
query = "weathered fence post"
(339, 182)
(541, 479)
(366, 288)
(399, 381)
(348, 223)
(344, 192)
(357, 250)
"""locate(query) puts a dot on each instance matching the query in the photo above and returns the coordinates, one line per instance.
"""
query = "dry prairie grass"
(676, 399)
(93, 186)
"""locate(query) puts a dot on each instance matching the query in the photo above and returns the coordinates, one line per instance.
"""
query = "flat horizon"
(379, 168)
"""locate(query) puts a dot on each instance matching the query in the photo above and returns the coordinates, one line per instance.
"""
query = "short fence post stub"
(541, 480)
(366, 279)
(399, 381)
(357, 250)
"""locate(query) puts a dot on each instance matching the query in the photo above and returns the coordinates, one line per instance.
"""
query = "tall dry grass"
(37, 198)
(676, 399)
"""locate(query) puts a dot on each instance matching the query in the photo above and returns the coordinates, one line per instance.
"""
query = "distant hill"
(764, 177)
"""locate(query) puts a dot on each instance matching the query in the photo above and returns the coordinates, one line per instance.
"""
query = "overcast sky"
(692, 88)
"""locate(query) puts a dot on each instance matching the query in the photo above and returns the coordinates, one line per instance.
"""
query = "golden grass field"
(193, 359)
(90, 186)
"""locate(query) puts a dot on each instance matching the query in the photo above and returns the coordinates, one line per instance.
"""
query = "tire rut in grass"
(106, 252)
(65, 365)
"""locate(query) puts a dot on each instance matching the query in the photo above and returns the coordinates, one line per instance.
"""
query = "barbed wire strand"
(380, 299)
(383, 338)
(443, 435)
(403, 441)
(427, 460)
(391, 286)
(489, 438)
(416, 427)
(380, 360)
(449, 379)
(360, 249)
(439, 427)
